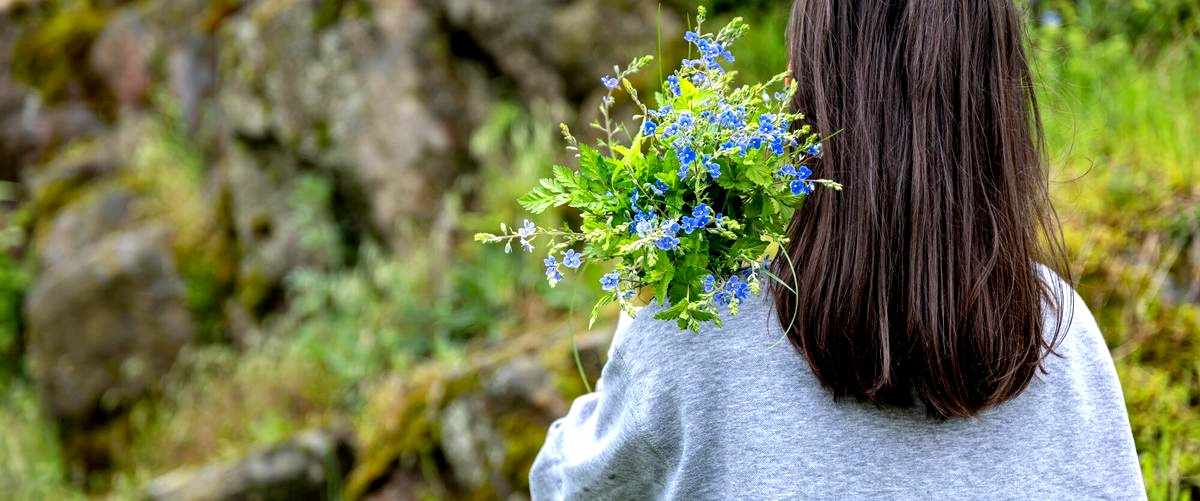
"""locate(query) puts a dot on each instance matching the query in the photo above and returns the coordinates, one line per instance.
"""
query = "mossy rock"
(470, 430)
(52, 55)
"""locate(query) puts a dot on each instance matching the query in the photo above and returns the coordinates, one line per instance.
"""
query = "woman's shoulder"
(1078, 348)
(1067, 319)
(660, 349)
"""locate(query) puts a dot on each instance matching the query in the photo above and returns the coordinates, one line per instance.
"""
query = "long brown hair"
(920, 281)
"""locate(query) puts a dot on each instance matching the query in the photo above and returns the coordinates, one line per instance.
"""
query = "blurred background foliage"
(236, 234)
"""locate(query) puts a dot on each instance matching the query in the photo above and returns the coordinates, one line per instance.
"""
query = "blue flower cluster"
(669, 239)
(643, 220)
(710, 52)
(772, 132)
(571, 259)
(699, 219)
(673, 85)
(526, 231)
(799, 185)
(713, 125)
(552, 273)
(734, 288)
(646, 223)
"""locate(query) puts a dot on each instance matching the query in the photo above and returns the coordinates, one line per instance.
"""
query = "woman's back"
(913, 295)
(733, 412)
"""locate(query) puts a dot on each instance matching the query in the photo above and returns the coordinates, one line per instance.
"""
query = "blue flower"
(699, 218)
(712, 64)
(610, 82)
(801, 185)
(734, 288)
(572, 259)
(683, 171)
(766, 123)
(814, 150)
(739, 288)
(527, 229)
(1051, 18)
(552, 273)
(754, 143)
(659, 188)
(777, 145)
(648, 128)
(788, 170)
(690, 224)
(643, 227)
(524, 233)
(698, 79)
(714, 169)
(670, 130)
(729, 119)
(633, 198)
(661, 112)
(686, 155)
(728, 145)
(725, 53)
(743, 144)
(610, 281)
(692, 37)
(709, 283)
(673, 84)
(667, 243)
(686, 121)
(708, 116)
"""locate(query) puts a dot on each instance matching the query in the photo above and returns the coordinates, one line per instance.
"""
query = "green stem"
(579, 364)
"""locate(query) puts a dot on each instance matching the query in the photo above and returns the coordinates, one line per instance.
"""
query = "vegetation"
(1120, 96)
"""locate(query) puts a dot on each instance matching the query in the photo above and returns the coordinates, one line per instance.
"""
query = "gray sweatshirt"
(735, 413)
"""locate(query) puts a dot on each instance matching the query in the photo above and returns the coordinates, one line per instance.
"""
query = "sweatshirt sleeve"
(600, 449)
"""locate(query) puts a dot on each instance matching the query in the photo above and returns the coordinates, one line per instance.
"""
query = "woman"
(932, 352)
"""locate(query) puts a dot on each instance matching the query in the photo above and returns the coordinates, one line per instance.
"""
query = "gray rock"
(281, 218)
(392, 98)
(121, 57)
(308, 466)
(349, 97)
(471, 444)
(29, 129)
(106, 321)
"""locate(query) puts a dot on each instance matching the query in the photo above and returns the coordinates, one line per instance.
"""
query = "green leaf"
(541, 198)
(667, 272)
(672, 313)
(566, 178)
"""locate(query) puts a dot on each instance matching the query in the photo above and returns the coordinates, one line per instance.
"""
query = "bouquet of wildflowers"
(690, 206)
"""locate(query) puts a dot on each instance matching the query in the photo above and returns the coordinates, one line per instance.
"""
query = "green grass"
(1124, 140)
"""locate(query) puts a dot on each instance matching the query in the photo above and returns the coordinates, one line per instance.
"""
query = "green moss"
(53, 55)
(29, 448)
(404, 429)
